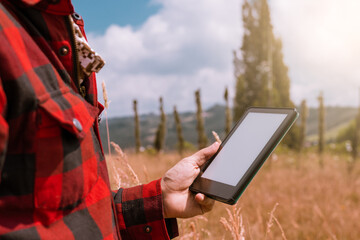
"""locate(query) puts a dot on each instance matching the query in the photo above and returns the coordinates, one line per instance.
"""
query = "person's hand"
(178, 201)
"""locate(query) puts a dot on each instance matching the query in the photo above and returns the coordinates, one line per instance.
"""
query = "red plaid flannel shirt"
(53, 177)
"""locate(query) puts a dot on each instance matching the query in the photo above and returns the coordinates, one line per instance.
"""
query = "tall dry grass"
(282, 202)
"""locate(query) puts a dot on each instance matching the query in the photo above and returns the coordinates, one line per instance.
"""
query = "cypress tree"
(265, 41)
(245, 66)
(228, 119)
(137, 128)
(161, 130)
(281, 87)
(180, 137)
(261, 74)
(321, 128)
(202, 139)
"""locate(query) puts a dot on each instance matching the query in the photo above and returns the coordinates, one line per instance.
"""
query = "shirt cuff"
(140, 215)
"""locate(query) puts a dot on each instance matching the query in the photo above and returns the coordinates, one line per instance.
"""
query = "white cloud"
(321, 47)
(188, 45)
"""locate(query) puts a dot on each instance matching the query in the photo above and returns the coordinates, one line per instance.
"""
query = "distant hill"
(122, 129)
(336, 118)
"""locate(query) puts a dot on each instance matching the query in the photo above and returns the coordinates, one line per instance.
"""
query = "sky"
(171, 48)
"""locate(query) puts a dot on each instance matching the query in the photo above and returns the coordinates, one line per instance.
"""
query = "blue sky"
(99, 15)
(171, 48)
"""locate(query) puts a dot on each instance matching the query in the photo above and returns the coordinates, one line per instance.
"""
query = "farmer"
(53, 178)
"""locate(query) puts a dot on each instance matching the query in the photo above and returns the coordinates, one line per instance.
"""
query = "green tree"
(347, 133)
(261, 74)
(180, 137)
(246, 65)
(137, 127)
(202, 139)
(281, 78)
(350, 134)
(161, 130)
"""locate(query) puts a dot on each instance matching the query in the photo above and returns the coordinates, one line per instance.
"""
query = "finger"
(206, 204)
(204, 154)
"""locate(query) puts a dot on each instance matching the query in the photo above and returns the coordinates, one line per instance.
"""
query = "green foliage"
(240, 101)
(261, 74)
(188, 147)
(281, 80)
(151, 151)
(347, 133)
(347, 141)
(161, 130)
(350, 134)
(291, 139)
(202, 139)
(137, 128)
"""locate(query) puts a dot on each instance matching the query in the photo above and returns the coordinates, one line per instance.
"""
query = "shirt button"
(76, 16)
(147, 229)
(77, 124)
(63, 51)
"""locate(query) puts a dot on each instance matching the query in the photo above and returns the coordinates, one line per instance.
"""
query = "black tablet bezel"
(230, 194)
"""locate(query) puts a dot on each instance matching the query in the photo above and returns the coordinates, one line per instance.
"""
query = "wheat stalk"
(125, 160)
(146, 174)
(193, 226)
(216, 136)
(235, 224)
(281, 229)
(106, 104)
(326, 225)
(105, 96)
(270, 222)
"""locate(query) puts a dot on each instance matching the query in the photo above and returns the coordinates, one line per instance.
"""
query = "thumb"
(204, 154)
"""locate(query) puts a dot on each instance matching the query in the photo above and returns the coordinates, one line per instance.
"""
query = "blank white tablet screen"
(243, 147)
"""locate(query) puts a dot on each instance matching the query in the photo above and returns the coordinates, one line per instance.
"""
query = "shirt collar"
(58, 7)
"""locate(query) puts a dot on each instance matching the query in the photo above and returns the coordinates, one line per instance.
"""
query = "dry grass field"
(284, 200)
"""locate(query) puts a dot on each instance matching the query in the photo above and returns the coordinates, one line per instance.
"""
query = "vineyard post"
(321, 129)
(181, 142)
(303, 117)
(137, 127)
(228, 119)
(161, 131)
(202, 139)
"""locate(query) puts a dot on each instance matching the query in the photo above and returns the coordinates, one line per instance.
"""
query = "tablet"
(226, 175)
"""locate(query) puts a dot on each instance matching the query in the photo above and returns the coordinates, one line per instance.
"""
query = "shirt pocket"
(66, 163)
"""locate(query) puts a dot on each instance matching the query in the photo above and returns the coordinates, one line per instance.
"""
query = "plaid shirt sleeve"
(139, 212)
(4, 128)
